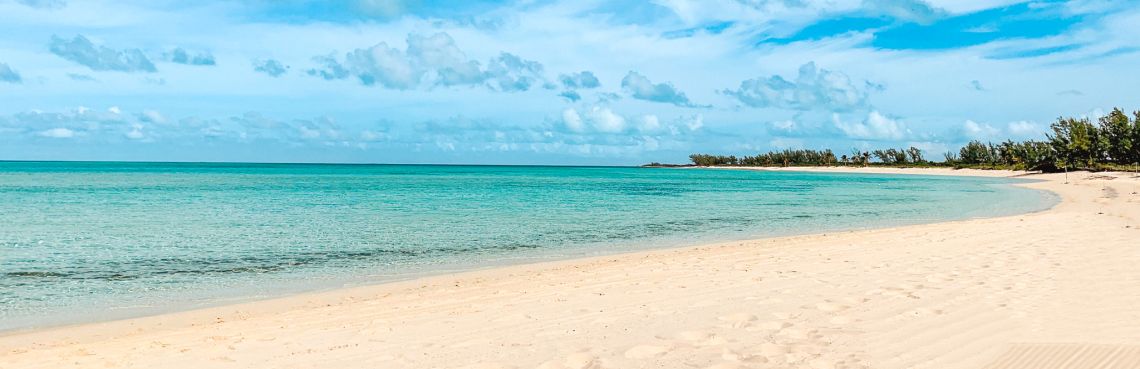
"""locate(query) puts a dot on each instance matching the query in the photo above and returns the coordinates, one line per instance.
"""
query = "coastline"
(809, 309)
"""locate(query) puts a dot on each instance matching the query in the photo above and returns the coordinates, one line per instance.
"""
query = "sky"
(579, 82)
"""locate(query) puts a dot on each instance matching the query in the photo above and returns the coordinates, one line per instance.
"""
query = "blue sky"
(547, 82)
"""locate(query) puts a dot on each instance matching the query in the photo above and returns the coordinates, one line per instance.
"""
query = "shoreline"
(344, 283)
(466, 297)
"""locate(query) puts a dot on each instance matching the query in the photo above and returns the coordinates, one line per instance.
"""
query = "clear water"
(94, 241)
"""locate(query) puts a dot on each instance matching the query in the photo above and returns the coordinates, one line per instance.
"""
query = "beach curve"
(948, 295)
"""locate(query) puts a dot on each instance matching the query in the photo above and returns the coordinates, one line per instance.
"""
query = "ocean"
(91, 241)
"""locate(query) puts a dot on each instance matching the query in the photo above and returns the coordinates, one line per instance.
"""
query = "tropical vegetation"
(1112, 142)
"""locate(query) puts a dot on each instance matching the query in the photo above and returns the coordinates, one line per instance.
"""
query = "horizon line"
(310, 163)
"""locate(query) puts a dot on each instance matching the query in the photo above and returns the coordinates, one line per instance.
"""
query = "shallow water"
(93, 241)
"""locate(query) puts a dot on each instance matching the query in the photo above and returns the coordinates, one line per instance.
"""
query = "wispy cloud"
(80, 77)
(100, 58)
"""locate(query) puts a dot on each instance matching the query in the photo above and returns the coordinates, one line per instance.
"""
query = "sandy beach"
(1053, 289)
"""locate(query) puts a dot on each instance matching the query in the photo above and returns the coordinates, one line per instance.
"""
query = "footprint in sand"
(830, 307)
(738, 320)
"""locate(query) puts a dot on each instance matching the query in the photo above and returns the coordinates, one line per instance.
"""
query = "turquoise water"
(94, 241)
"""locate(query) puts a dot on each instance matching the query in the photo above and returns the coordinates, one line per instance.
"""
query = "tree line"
(1113, 142)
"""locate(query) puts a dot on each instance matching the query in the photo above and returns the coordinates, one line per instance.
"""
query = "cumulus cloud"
(136, 132)
(7, 74)
(641, 88)
(877, 127)
(694, 122)
(974, 130)
(508, 72)
(181, 56)
(980, 131)
(813, 89)
(597, 119)
(100, 58)
(271, 67)
(79, 121)
(589, 131)
(1023, 128)
(584, 80)
(323, 128)
(57, 133)
(428, 60)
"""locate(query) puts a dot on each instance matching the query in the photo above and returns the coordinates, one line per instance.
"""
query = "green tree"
(950, 157)
(1117, 131)
(915, 155)
(1136, 136)
(975, 152)
(1076, 143)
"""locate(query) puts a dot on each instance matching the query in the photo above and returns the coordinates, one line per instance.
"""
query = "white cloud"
(975, 130)
(605, 120)
(1024, 128)
(57, 133)
(433, 60)
(642, 88)
(136, 132)
(812, 89)
(369, 135)
(572, 120)
(650, 123)
(786, 143)
(309, 133)
(876, 127)
(694, 122)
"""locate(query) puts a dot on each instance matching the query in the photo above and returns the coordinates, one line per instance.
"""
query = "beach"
(1050, 289)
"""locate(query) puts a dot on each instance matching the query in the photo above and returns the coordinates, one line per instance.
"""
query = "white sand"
(1054, 289)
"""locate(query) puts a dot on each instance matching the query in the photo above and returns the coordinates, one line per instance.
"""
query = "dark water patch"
(35, 274)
